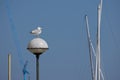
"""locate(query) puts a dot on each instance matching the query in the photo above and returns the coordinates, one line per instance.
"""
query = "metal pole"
(37, 66)
(9, 66)
(90, 47)
(98, 63)
(98, 41)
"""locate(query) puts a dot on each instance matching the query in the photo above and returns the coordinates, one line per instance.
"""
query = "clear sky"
(64, 30)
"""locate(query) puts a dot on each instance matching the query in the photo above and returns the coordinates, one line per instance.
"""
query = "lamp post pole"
(37, 66)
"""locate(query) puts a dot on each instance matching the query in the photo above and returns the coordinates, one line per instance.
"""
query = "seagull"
(37, 31)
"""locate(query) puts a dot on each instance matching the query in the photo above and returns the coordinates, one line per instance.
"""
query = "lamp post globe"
(37, 46)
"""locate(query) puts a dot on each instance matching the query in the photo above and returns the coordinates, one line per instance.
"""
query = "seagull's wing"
(34, 31)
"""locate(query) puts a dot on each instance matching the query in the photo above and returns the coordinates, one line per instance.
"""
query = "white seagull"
(37, 31)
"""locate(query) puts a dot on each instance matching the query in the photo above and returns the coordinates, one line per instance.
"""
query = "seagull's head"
(39, 28)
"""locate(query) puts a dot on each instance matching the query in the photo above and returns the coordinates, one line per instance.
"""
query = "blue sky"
(63, 26)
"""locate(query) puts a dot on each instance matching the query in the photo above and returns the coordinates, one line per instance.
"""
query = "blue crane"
(25, 71)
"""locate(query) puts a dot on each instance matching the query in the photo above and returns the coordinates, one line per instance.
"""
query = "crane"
(25, 71)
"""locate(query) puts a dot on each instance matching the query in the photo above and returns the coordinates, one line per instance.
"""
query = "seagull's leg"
(37, 36)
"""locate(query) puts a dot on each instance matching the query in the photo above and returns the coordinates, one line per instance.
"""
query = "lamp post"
(37, 46)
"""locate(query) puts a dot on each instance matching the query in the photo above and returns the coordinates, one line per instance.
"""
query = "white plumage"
(37, 31)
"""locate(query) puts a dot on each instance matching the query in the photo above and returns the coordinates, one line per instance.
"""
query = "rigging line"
(102, 74)
(14, 32)
(114, 39)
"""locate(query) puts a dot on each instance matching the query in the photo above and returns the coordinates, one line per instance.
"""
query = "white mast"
(98, 73)
(98, 65)
(90, 47)
(9, 66)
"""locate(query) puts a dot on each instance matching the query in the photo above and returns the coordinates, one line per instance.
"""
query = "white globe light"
(37, 46)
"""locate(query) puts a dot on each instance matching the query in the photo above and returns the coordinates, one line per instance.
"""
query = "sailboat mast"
(90, 47)
(98, 56)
